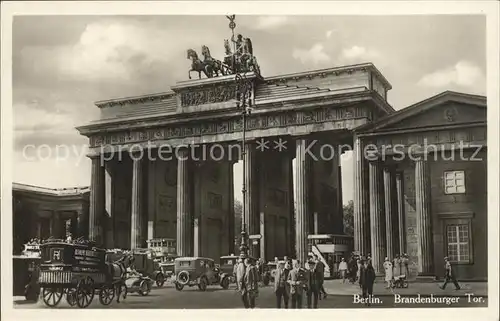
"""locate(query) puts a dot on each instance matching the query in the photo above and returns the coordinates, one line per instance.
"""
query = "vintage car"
(199, 271)
(145, 263)
(166, 263)
(227, 270)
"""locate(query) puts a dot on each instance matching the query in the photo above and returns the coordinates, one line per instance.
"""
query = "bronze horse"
(215, 65)
(198, 65)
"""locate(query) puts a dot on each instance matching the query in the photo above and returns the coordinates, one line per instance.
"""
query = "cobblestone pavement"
(340, 296)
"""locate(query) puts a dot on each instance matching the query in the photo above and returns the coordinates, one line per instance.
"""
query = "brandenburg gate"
(162, 164)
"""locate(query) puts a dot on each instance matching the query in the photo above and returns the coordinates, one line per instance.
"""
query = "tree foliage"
(349, 218)
(238, 213)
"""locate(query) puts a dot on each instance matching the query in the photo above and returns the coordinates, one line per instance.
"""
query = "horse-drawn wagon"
(79, 270)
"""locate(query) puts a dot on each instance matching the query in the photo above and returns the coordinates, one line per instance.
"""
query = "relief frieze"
(254, 122)
(208, 95)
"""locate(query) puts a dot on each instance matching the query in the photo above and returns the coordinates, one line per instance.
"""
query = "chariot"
(79, 271)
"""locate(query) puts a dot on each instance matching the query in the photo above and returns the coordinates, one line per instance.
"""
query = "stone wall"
(455, 208)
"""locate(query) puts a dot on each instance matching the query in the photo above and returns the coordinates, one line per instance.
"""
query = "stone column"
(263, 233)
(361, 199)
(400, 209)
(302, 211)
(389, 212)
(316, 223)
(96, 201)
(231, 218)
(291, 208)
(56, 225)
(377, 222)
(81, 230)
(250, 200)
(424, 221)
(136, 235)
(109, 175)
(183, 204)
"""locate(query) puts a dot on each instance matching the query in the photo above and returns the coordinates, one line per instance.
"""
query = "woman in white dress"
(388, 272)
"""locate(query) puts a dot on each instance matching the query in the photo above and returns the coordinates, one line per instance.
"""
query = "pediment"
(442, 115)
(445, 109)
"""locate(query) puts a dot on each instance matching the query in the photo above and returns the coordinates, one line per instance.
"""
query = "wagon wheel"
(106, 294)
(160, 280)
(52, 296)
(71, 297)
(84, 292)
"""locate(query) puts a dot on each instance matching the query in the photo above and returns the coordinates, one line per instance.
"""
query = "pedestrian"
(396, 266)
(281, 286)
(405, 263)
(367, 278)
(240, 282)
(343, 269)
(320, 268)
(388, 272)
(312, 284)
(296, 285)
(251, 281)
(357, 270)
(449, 276)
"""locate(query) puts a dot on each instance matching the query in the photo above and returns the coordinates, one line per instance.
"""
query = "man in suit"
(281, 286)
(313, 284)
(449, 276)
(296, 285)
(251, 282)
(366, 279)
(320, 268)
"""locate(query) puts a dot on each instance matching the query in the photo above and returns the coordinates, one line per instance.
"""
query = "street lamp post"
(243, 89)
(243, 101)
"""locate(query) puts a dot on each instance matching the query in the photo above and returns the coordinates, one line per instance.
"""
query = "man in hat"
(320, 268)
(450, 276)
(296, 285)
(281, 286)
(251, 282)
(313, 284)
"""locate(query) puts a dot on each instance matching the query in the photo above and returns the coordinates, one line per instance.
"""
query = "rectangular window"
(458, 242)
(454, 182)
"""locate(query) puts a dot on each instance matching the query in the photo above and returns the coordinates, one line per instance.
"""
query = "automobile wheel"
(144, 288)
(405, 284)
(160, 280)
(266, 280)
(179, 286)
(203, 284)
(225, 283)
(183, 277)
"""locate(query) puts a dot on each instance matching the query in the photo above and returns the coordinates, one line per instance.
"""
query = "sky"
(63, 64)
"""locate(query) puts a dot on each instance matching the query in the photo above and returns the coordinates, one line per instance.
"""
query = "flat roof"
(65, 191)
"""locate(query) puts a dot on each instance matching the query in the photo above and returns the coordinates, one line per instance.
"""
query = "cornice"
(134, 100)
(45, 191)
(270, 106)
(322, 73)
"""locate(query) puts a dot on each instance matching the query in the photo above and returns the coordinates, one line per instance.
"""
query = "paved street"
(341, 296)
